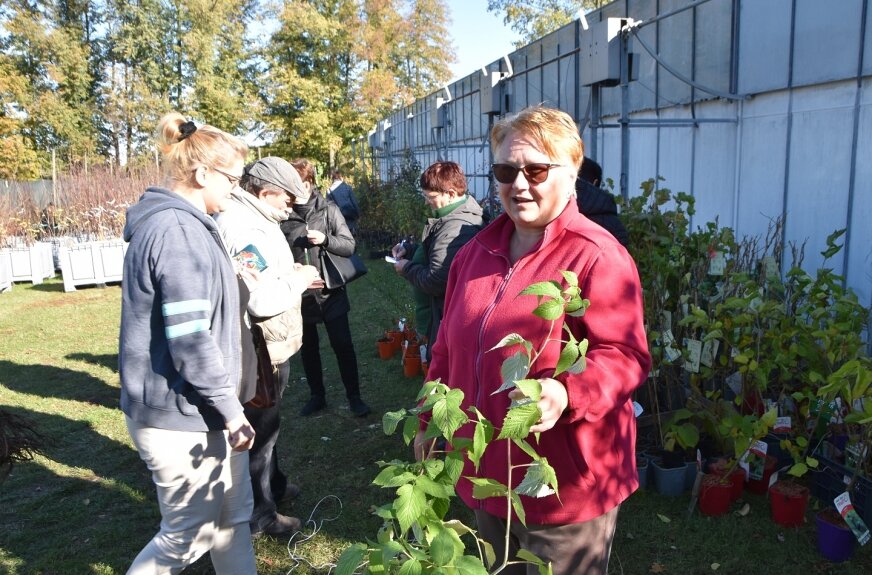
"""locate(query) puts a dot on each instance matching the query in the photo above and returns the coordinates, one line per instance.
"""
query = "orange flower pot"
(385, 348)
(411, 365)
(396, 338)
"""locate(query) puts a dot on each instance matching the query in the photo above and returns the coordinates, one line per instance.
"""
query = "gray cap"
(278, 172)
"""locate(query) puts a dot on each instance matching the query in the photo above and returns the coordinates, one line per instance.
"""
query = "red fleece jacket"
(592, 447)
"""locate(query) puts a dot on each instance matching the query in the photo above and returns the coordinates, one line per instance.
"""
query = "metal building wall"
(757, 108)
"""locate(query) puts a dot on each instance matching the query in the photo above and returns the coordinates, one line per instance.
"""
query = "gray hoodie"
(179, 348)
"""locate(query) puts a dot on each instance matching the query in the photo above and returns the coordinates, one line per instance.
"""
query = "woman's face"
(532, 206)
(220, 182)
(436, 200)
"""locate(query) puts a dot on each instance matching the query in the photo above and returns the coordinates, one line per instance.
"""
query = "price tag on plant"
(852, 518)
(782, 425)
(672, 354)
(694, 352)
(709, 351)
(717, 264)
(735, 382)
(770, 267)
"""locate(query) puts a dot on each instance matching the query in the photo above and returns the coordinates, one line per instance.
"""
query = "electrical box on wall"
(600, 53)
(438, 113)
(490, 93)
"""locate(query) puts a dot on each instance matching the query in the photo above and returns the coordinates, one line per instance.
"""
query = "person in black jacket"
(456, 218)
(312, 227)
(597, 204)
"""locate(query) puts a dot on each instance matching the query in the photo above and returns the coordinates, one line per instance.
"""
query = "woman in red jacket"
(588, 428)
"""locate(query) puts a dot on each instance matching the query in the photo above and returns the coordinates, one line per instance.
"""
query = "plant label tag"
(637, 408)
(667, 319)
(709, 351)
(852, 518)
(694, 348)
(782, 425)
(756, 459)
(717, 264)
(672, 354)
(735, 382)
(770, 267)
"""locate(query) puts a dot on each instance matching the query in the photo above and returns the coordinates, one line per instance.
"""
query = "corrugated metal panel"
(764, 48)
(827, 42)
(675, 156)
(860, 247)
(676, 49)
(715, 166)
(820, 168)
(714, 38)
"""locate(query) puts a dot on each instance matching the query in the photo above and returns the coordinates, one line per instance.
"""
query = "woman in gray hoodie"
(180, 355)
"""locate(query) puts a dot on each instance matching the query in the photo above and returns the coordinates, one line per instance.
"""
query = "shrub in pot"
(835, 540)
(715, 494)
(788, 501)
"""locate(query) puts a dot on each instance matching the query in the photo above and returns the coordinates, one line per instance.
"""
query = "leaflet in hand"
(390, 260)
(249, 258)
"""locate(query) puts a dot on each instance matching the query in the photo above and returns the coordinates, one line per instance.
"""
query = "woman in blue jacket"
(180, 355)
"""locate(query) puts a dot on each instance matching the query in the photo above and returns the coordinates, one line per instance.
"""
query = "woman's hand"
(422, 445)
(399, 265)
(313, 277)
(398, 251)
(241, 436)
(552, 402)
(315, 237)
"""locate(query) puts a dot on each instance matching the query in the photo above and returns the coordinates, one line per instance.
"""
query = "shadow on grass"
(107, 360)
(50, 381)
(49, 518)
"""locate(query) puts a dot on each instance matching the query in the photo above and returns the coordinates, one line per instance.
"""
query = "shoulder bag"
(339, 270)
(265, 394)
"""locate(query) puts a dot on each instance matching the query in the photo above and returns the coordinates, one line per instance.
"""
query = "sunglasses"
(535, 173)
(234, 180)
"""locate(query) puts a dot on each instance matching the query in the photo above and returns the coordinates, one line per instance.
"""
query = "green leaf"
(469, 565)
(444, 547)
(410, 503)
(454, 466)
(529, 557)
(531, 388)
(568, 355)
(549, 310)
(549, 289)
(519, 420)
(391, 419)
(513, 339)
(410, 567)
(490, 555)
(577, 308)
(538, 480)
(410, 429)
(483, 488)
(433, 467)
(527, 448)
(570, 277)
(798, 469)
(663, 518)
(350, 559)
(481, 436)
(447, 414)
(433, 488)
(393, 477)
(514, 367)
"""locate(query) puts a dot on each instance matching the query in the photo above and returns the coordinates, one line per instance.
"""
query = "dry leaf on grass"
(715, 566)
(657, 568)
(663, 518)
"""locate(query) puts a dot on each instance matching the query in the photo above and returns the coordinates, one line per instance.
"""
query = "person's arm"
(338, 238)
(183, 271)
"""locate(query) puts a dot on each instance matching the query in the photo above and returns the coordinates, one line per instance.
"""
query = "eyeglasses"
(234, 180)
(535, 173)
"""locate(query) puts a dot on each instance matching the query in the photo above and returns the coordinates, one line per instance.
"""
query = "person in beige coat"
(251, 224)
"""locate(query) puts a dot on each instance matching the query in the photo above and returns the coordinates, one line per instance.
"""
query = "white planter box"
(92, 263)
(5, 271)
(31, 263)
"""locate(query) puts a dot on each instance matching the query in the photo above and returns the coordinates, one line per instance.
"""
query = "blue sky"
(479, 37)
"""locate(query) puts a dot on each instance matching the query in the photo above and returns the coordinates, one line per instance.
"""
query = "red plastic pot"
(788, 502)
(715, 495)
(737, 476)
(411, 365)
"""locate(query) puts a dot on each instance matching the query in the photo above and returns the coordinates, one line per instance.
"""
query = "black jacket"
(324, 216)
(441, 240)
(599, 207)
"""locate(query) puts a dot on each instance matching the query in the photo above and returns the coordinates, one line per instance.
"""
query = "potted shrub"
(788, 501)
(715, 494)
(835, 540)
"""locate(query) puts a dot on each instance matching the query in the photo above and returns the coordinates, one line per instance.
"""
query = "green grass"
(87, 505)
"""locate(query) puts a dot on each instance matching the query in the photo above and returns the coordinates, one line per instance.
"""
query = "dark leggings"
(339, 333)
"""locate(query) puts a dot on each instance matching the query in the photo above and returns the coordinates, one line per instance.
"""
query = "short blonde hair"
(205, 146)
(554, 131)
